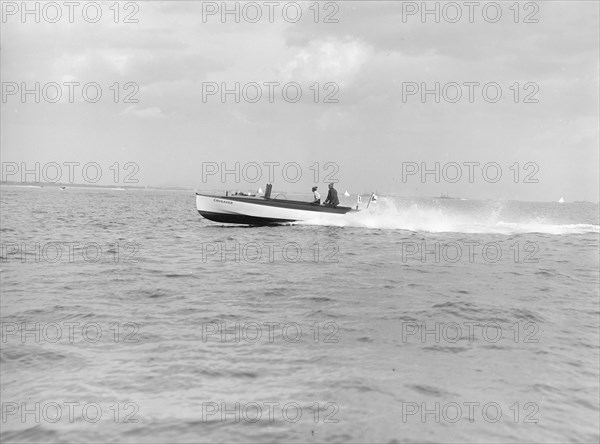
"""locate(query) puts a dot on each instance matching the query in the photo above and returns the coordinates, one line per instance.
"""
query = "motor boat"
(262, 210)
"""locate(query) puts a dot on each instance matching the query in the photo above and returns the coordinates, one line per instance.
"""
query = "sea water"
(128, 317)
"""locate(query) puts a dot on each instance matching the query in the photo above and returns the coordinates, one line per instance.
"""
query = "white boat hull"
(261, 211)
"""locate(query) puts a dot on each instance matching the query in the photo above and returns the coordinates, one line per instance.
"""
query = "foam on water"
(432, 217)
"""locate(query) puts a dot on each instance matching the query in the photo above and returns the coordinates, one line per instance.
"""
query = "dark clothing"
(332, 198)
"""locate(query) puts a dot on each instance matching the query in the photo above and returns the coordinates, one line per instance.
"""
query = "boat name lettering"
(223, 201)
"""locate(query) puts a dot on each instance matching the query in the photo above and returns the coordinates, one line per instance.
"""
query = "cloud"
(369, 53)
(328, 60)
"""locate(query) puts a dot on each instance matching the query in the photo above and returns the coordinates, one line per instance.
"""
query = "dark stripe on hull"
(241, 219)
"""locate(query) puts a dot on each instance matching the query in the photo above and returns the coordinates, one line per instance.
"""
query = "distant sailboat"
(561, 200)
(346, 193)
(260, 191)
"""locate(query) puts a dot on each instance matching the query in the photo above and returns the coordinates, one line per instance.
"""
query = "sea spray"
(456, 216)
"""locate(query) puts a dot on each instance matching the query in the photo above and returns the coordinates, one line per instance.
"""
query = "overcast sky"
(368, 58)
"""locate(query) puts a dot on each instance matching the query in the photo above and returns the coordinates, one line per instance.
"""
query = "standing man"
(316, 196)
(332, 197)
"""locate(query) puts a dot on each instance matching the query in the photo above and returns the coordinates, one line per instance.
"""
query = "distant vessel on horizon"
(561, 200)
(445, 196)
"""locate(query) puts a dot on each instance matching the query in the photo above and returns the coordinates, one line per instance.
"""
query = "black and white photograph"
(300, 221)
